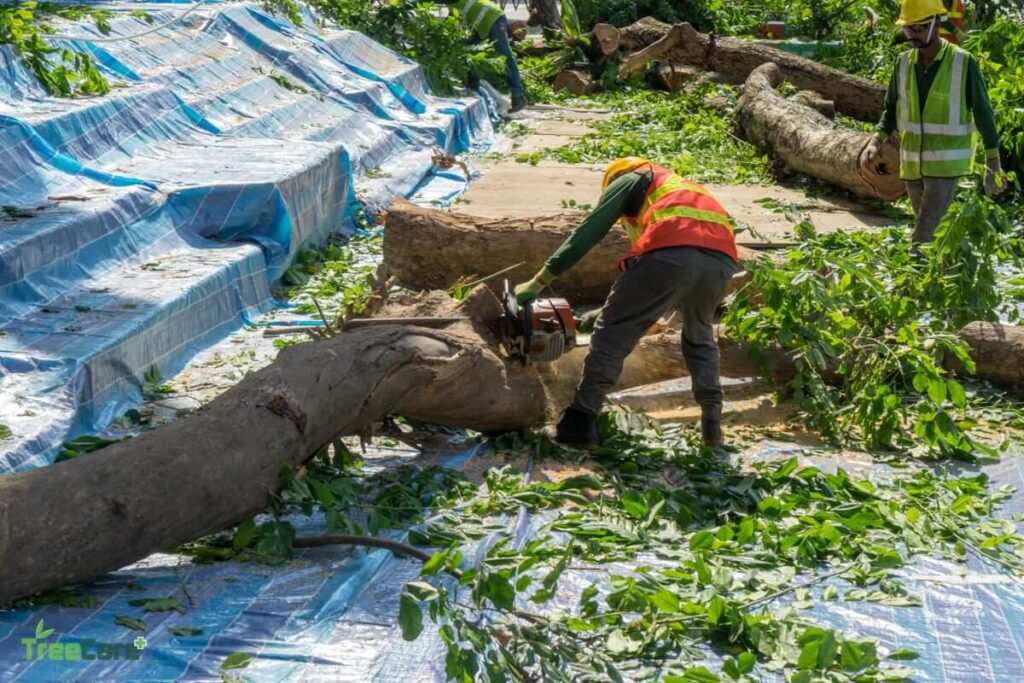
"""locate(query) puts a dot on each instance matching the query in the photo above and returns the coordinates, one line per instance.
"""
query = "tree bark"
(674, 77)
(998, 352)
(809, 143)
(642, 33)
(826, 108)
(430, 249)
(576, 82)
(735, 59)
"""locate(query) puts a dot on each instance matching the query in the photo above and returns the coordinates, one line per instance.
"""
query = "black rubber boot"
(577, 428)
(711, 426)
(518, 104)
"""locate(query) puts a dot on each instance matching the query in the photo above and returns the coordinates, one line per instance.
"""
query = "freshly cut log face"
(430, 249)
(809, 143)
(575, 82)
(734, 60)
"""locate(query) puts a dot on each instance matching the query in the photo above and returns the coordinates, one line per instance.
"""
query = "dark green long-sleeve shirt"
(977, 101)
(624, 197)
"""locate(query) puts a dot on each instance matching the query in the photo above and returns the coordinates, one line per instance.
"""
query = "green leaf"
(157, 604)
(819, 649)
(185, 631)
(421, 591)
(498, 589)
(957, 394)
(702, 540)
(937, 390)
(695, 674)
(634, 504)
(410, 617)
(435, 564)
(665, 601)
(130, 622)
(856, 656)
(903, 654)
(236, 660)
(576, 624)
(716, 608)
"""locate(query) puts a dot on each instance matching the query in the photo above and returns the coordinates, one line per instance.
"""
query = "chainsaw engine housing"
(537, 332)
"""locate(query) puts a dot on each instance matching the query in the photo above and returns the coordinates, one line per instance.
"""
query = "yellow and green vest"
(479, 15)
(938, 142)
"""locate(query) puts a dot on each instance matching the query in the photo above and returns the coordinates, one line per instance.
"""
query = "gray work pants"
(930, 198)
(680, 278)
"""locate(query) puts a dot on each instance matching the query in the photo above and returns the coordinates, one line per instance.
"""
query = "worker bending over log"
(936, 100)
(683, 254)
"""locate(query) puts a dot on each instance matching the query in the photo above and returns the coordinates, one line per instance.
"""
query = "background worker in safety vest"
(954, 22)
(936, 100)
(682, 257)
(488, 22)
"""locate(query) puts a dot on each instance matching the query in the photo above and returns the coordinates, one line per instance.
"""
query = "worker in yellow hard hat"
(683, 254)
(936, 102)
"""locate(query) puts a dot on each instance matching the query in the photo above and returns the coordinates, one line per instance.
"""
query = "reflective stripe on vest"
(678, 213)
(479, 15)
(938, 142)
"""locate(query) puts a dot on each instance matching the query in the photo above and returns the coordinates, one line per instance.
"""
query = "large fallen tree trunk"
(430, 249)
(734, 60)
(808, 142)
(75, 520)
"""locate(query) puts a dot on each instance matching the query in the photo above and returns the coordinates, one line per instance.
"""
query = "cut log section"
(998, 352)
(574, 81)
(603, 43)
(642, 33)
(736, 59)
(807, 142)
(431, 249)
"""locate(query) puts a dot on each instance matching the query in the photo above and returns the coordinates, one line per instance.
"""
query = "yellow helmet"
(919, 11)
(625, 165)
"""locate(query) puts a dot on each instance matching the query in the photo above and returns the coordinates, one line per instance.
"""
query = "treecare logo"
(87, 649)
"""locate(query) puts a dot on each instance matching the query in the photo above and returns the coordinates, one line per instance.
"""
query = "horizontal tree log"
(574, 81)
(809, 143)
(734, 59)
(431, 249)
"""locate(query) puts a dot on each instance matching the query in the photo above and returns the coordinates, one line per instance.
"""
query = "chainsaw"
(539, 331)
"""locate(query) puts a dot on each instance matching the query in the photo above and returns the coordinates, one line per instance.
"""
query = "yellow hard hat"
(625, 165)
(919, 11)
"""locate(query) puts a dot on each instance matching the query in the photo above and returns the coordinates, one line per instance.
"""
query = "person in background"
(936, 100)
(682, 257)
(951, 27)
(488, 22)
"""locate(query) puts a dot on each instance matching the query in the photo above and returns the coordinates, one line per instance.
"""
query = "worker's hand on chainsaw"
(588, 321)
(527, 291)
(994, 180)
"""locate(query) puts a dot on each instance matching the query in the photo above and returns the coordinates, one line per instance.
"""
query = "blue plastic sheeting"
(161, 213)
(331, 615)
(301, 618)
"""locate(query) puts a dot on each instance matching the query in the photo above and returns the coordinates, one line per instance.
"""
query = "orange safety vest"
(678, 213)
(955, 16)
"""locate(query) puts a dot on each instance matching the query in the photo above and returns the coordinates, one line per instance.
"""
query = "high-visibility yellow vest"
(938, 142)
(679, 213)
(479, 15)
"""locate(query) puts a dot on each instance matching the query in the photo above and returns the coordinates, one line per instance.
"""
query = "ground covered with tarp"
(140, 227)
(862, 524)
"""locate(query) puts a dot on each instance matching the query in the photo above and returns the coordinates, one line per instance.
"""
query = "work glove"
(587, 322)
(528, 291)
(994, 182)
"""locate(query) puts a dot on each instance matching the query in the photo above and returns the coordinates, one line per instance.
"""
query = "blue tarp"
(147, 222)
